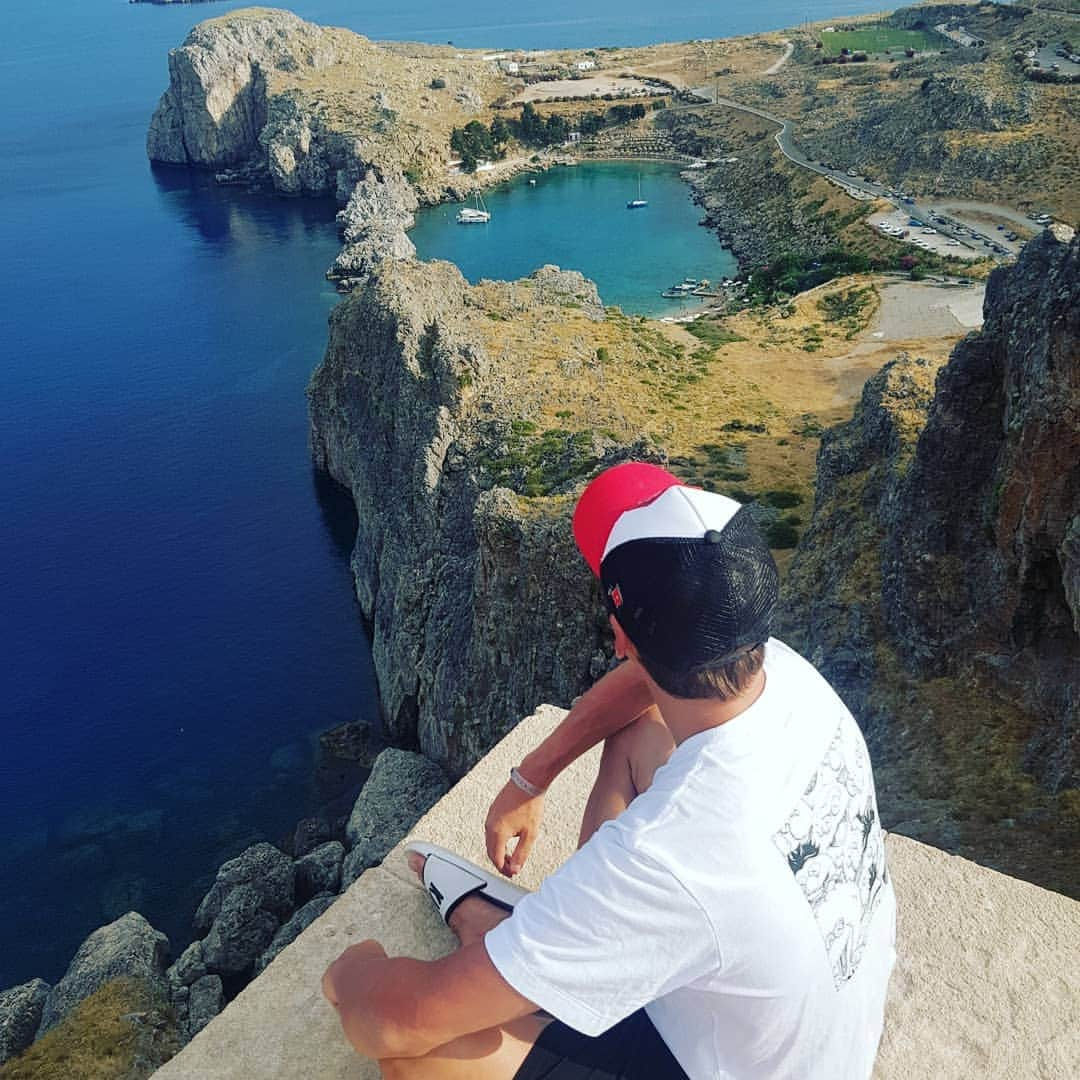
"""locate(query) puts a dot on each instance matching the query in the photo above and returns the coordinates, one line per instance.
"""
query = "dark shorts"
(631, 1050)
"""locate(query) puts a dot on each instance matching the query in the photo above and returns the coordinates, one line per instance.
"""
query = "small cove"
(576, 217)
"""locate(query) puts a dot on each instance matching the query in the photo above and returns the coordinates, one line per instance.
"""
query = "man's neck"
(690, 716)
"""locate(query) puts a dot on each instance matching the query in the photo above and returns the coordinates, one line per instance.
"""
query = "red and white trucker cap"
(686, 572)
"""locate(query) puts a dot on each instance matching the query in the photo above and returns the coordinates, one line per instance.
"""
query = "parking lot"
(1054, 58)
(899, 225)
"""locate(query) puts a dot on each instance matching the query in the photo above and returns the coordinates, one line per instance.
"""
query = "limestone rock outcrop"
(244, 908)
(308, 109)
(402, 786)
(206, 999)
(216, 105)
(130, 946)
(477, 603)
(301, 920)
(374, 226)
(20, 1016)
(319, 871)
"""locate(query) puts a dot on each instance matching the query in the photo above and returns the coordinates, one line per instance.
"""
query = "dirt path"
(789, 48)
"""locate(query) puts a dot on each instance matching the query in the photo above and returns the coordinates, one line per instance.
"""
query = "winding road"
(974, 233)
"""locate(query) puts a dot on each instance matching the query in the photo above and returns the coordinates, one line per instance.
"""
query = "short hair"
(722, 681)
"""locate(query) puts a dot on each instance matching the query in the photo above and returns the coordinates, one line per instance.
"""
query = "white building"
(586, 65)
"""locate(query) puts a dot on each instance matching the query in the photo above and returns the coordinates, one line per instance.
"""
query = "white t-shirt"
(743, 899)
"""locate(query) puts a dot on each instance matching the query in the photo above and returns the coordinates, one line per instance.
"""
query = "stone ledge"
(987, 983)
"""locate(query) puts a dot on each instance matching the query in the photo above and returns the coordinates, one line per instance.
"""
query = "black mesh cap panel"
(688, 603)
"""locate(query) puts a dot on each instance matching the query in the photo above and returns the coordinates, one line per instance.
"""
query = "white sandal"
(449, 878)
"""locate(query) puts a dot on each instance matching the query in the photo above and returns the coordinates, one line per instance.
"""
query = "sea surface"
(176, 613)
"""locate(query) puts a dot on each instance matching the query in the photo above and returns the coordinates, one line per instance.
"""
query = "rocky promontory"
(436, 407)
(263, 95)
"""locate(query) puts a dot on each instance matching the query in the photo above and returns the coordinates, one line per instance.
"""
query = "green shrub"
(712, 332)
(781, 535)
(783, 499)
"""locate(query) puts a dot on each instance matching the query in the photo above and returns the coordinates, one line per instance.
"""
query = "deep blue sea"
(176, 614)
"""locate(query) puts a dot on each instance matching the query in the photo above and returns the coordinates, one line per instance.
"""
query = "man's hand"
(341, 975)
(513, 814)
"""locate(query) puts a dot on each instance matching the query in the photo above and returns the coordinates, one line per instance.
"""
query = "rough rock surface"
(264, 870)
(243, 909)
(216, 105)
(189, 966)
(319, 871)
(981, 560)
(20, 1016)
(936, 587)
(374, 224)
(454, 575)
(129, 946)
(859, 465)
(310, 833)
(239, 933)
(300, 921)
(206, 999)
(401, 788)
(310, 109)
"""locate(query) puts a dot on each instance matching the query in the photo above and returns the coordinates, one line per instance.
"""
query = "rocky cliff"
(435, 405)
(309, 109)
(937, 586)
(982, 556)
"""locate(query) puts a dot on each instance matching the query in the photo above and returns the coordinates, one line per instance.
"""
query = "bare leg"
(495, 1054)
(630, 759)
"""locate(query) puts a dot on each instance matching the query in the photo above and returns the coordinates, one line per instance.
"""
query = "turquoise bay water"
(176, 611)
(576, 217)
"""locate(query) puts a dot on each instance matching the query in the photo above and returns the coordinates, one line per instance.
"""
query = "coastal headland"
(931, 542)
(481, 409)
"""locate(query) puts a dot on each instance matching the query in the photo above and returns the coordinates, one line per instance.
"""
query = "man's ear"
(624, 647)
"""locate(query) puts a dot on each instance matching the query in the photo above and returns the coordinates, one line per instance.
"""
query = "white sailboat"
(639, 202)
(478, 215)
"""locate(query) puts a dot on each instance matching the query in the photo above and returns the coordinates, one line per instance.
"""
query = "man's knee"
(645, 744)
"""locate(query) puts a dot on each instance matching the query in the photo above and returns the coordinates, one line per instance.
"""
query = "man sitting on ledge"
(728, 913)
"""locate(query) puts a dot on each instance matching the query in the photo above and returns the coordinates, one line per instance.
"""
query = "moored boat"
(478, 215)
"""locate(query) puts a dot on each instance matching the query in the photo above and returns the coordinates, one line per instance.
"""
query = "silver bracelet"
(525, 785)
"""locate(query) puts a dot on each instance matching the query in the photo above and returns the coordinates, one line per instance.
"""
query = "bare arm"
(608, 706)
(397, 1007)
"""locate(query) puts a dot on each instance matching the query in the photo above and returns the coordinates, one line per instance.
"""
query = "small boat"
(639, 202)
(532, 182)
(477, 215)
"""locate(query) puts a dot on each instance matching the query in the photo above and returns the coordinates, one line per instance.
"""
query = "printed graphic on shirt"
(832, 841)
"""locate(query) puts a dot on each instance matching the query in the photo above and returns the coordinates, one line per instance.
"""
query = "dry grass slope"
(122, 1032)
